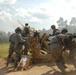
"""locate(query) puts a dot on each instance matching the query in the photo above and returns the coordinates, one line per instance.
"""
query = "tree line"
(4, 37)
(71, 26)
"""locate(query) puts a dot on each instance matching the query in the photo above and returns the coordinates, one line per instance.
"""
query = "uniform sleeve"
(25, 38)
(20, 39)
(55, 32)
(63, 36)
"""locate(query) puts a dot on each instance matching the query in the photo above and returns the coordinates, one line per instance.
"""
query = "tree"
(73, 22)
(61, 22)
(4, 37)
(43, 30)
(9, 34)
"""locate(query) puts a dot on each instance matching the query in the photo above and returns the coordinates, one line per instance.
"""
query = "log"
(37, 56)
(44, 58)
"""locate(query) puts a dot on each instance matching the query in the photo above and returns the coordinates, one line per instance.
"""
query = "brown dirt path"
(38, 69)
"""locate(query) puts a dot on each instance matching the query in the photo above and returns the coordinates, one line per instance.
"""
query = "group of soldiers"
(17, 40)
(60, 42)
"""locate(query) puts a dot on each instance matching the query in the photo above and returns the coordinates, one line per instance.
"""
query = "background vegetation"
(4, 49)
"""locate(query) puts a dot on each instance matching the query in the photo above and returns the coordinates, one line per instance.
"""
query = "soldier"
(70, 44)
(26, 30)
(18, 42)
(56, 47)
(72, 48)
(37, 36)
(26, 33)
(18, 45)
(55, 31)
(11, 49)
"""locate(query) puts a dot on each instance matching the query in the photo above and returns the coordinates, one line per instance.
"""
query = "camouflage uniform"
(26, 46)
(11, 48)
(37, 36)
(72, 55)
(55, 48)
(26, 33)
(18, 42)
(55, 31)
(70, 44)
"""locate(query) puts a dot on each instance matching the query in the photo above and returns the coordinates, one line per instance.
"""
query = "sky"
(38, 13)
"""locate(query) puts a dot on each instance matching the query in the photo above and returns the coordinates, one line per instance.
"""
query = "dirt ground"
(38, 69)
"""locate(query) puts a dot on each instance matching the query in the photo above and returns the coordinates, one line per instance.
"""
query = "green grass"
(4, 47)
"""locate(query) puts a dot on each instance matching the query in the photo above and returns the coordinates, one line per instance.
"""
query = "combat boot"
(7, 64)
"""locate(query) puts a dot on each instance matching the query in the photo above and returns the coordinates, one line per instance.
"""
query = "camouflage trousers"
(18, 52)
(11, 50)
(72, 55)
(56, 50)
(72, 47)
(26, 47)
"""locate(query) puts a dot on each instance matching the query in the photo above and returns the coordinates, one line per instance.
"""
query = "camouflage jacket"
(56, 31)
(16, 39)
(25, 31)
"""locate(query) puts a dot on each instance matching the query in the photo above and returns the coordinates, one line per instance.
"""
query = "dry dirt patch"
(37, 69)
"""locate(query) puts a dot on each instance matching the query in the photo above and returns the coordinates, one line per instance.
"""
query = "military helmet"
(64, 30)
(17, 29)
(53, 26)
(26, 24)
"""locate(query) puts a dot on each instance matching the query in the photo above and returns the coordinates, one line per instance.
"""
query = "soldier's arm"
(20, 39)
(25, 38)
(11, 37)
(62, 36)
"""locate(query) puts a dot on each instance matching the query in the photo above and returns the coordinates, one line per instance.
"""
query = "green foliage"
(4, 49)
(4, 37)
